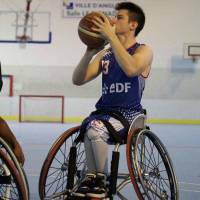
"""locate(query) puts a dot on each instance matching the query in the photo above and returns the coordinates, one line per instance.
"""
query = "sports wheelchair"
(13, 181)
(150, 169)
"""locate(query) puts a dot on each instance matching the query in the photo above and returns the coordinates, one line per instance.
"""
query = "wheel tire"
(60, 147)
(143, 173)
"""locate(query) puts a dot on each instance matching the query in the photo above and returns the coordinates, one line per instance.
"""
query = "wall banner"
(79, 8)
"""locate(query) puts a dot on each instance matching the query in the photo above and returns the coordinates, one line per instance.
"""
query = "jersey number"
(105, 66)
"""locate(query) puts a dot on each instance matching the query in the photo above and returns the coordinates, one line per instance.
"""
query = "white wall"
(47, 69)
(169, 24)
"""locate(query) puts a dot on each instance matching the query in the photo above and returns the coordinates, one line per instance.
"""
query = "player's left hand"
(104, 26)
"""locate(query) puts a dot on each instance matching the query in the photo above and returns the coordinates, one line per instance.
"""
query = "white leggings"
(96, 152)
(96, 146)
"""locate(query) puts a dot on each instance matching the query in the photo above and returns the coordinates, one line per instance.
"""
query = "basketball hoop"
(194, 58)
(23, 38)
(192, 51)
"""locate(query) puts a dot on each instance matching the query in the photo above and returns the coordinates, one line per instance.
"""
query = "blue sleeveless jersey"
(120, 92)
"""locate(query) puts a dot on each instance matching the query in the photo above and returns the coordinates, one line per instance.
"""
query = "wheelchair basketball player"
(124, 67)
(8, 136)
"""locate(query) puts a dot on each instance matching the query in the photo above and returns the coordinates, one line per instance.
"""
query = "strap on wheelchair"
(108, 125)
(115, 114)
(112, 132)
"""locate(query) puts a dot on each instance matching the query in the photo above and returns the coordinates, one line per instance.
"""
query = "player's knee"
(93, 134)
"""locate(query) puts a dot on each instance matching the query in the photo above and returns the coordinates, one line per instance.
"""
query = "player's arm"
(136, 64)
(88, 67)
(132, 65)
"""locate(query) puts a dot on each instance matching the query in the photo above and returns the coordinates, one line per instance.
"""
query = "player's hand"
(104, 26)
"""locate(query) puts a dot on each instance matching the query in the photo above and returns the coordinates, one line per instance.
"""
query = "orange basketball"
(87, 35)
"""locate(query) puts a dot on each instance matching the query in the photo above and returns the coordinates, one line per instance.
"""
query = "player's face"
(122, 24)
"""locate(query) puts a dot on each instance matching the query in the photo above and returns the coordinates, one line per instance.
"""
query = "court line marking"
(78, 119)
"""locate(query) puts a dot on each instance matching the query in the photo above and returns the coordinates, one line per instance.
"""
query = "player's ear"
(133, 25)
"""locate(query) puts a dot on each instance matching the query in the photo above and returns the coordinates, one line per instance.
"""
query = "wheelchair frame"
(138, 175)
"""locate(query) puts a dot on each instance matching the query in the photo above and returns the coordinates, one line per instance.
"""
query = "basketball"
(88, 36)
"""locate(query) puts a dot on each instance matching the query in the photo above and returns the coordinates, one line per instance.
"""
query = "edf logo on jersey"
(116, 88)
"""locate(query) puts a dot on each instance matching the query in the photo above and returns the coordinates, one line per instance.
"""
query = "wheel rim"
(153, 167)
(11, 186)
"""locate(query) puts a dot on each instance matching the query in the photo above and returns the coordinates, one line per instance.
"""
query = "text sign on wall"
(79, 8)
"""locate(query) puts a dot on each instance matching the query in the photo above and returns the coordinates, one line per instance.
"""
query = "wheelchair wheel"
(53, 176)
(9, 153)
(150, 167)
(11, 183)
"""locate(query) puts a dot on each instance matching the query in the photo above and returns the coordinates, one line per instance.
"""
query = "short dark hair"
(135, 13)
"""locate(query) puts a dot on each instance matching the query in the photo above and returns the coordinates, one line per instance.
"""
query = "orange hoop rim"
(195, 58)
(23, 38)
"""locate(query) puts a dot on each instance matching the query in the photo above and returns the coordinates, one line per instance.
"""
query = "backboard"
(35, 28)
(191, 51)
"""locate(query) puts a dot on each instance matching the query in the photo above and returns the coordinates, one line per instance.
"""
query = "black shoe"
(85, 186)
(99, 190)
